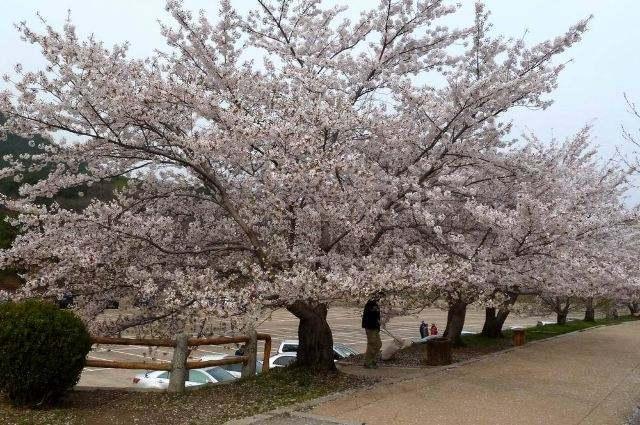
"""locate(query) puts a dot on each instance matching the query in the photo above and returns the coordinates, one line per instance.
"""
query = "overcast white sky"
(606, 64)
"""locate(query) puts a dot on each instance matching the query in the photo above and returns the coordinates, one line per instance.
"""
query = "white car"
(234, 369)
(340, 351)
(160, 379)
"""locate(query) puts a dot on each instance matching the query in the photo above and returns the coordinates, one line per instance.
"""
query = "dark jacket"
(371, 315)
(424, 330)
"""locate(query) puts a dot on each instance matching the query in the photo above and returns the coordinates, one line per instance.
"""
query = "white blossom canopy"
(344, 158)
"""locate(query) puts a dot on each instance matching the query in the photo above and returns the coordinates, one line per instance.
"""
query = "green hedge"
(42, 351)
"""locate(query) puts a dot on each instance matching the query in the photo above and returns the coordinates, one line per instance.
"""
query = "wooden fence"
(180, 365)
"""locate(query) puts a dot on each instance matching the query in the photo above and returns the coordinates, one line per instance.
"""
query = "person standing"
(371, 325)
(434, 329)
(424, 331)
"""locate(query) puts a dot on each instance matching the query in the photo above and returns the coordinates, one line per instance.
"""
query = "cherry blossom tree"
(325, 168)
(533, 220)
(566, 225)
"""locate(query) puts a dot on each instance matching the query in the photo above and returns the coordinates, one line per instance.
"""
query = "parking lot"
(344, 321)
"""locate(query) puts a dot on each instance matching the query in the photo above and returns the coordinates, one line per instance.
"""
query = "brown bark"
(179, 371)
(561, 318)
(490, 327)
(561, 307)
(315, 347)
(251, 351)
(590, 311)
(494, 322)
(495, 318)
(455, 322)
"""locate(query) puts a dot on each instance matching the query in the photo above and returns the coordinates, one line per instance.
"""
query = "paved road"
(344, 321)
(590, 377)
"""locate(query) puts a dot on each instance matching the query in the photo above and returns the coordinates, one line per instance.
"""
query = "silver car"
(160, 379)
(340, 351)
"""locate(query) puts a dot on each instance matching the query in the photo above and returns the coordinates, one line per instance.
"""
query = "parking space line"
(140, 355)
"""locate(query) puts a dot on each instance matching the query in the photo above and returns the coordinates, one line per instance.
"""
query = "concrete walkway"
(590, 377)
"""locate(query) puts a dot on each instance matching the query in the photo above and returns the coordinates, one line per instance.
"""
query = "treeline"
(76, 198)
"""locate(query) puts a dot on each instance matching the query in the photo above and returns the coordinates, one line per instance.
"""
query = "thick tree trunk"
(494, 322)
(455, 322)
(590, 311)
(561, 307)
(561, 318)
(495, 318)
(315, 348)
(490, 327)
(633, 308)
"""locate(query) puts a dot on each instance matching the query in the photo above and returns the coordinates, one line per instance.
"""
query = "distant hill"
(15, 145)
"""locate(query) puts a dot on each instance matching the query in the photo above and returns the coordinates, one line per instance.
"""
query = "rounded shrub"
(42, 351)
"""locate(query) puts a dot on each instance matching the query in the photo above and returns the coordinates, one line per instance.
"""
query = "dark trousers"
(373, 346)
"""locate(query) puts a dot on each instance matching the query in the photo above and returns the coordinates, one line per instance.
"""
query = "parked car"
(160, 380)
(340, 351)
(234, 369)
(282, 359)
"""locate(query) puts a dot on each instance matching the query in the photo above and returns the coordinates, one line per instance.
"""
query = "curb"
(322, 418)
(292, 410)
(298, 415)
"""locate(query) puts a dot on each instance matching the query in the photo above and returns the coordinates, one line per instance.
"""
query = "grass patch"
(210, 405)
(535, 333)
(478, 345)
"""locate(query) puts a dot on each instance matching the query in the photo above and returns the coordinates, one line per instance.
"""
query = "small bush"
(42, 351)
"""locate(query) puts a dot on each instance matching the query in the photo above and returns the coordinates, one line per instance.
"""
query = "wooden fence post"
(179, 371)
(251, 351)
(266, 354)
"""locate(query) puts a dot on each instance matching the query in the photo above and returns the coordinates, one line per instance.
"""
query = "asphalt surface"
(344, 321)
(590, 377)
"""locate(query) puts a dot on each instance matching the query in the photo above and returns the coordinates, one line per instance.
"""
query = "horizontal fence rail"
(180, 361)
(116, 364)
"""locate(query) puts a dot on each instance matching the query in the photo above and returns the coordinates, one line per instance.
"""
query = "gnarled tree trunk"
(490, 327)
(590, 311)
(494, 322)
(561, 318)
(315, 348)
(495, 318)
(455, 322)
(634, 308)
(561, 307)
